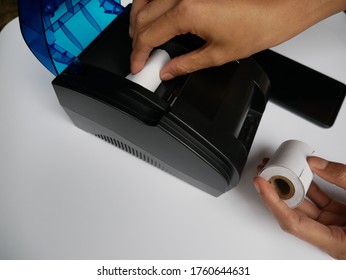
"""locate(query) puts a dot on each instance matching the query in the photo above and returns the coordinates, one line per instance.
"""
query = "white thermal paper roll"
(288, 171)
(149, 76)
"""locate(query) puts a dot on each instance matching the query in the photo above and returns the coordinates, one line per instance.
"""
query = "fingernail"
(318, 163)
(256, 187)
(166, 76)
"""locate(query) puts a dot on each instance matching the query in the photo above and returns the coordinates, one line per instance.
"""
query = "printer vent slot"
(132, 151)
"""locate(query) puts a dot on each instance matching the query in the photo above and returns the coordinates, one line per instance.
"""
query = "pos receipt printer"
(198, 127)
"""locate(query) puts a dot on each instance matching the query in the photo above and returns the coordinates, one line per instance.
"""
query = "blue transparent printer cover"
(57, 31)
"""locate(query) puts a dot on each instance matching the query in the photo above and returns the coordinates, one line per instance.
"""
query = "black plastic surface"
(302, 90)
(199, 127)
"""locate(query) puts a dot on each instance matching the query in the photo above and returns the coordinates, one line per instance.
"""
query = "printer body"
(198, 127)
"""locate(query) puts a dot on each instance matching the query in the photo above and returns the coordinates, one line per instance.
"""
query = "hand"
(232, 29)
(320, 222)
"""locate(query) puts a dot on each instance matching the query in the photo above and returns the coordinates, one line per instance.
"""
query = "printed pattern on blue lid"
(57, 31)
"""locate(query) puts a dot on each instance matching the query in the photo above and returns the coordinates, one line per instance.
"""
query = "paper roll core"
(283, 186)
(288, 171)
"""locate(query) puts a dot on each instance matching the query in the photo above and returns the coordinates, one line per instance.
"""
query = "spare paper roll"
(149, 76)
(288, 171)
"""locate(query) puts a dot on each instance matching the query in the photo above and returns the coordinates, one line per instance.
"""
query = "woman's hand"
(232, 29)
(322, 221)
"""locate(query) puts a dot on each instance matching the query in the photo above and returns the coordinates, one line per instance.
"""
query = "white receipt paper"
(149, 76)
(288, 171)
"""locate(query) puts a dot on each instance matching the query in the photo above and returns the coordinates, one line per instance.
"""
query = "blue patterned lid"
(57, 31)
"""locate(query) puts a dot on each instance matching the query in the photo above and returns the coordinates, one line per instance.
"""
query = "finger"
(324, 216)
(204, 57)
(300, 212)
(159, 31)
(148, 12)
(279, 208)
(141, 21)
(137, 5)
(333, 212)
(309, 209)
(331, 218)
(326, 238)
(317, 196)
(332, 172)
(139, 58)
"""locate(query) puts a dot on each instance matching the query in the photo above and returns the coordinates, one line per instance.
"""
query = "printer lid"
(57, 31)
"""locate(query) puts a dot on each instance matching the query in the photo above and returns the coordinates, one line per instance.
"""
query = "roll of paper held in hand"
(288, 171)
(149, 76)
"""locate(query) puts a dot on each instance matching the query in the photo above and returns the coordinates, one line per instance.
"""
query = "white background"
(65, 194)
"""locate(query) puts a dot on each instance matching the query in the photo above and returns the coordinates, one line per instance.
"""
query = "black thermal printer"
(198, 127)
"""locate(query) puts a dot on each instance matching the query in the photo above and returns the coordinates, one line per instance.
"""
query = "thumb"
(332, 172)
(188, 63)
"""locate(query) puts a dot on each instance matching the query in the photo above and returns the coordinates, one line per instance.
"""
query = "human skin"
(321, 220)
(231, 29)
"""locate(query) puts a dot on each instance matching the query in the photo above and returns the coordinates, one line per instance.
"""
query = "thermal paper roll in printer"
(198, 127)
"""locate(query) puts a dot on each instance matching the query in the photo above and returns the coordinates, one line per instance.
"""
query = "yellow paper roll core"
(283, 186)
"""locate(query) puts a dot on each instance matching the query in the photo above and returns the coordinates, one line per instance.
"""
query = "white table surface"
(65, 194)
